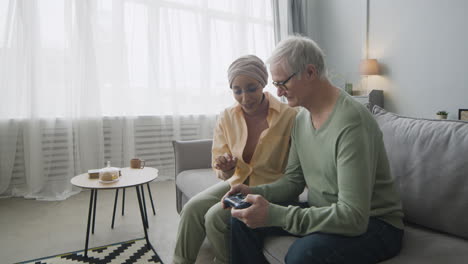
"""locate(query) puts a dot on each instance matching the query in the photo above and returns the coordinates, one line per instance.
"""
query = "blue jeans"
(381, 241)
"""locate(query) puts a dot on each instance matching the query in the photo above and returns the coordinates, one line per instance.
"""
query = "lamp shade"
(369, 67)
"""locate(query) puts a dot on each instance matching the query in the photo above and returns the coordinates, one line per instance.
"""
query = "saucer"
(116, 180)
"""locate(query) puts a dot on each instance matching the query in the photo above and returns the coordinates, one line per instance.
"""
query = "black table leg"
(151, 198)
(94, 209)
(144, 205)
(123, 201)
(140, 204)
(91, 198)
(115, 207)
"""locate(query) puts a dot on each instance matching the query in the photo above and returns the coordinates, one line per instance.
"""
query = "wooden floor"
(32, 229)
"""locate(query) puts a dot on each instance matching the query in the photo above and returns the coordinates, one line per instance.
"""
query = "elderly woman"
(250, 146)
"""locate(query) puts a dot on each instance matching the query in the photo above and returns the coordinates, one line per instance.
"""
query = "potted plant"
(442, 114)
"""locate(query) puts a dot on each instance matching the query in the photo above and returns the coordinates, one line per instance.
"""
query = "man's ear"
(311, 72)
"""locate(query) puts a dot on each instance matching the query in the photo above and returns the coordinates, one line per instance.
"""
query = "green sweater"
(345, 167)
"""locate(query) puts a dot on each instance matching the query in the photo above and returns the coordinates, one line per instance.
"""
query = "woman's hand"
(225, 162)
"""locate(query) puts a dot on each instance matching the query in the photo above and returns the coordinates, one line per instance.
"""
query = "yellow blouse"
(271, 153)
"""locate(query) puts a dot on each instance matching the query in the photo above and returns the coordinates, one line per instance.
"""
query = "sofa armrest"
(192, 154)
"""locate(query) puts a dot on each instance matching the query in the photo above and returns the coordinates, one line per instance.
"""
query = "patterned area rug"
(132, 251)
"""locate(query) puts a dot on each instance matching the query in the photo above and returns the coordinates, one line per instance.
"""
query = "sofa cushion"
(425, 246)
(429, 160)
(276, 247)
(420, 245)
(191, 182)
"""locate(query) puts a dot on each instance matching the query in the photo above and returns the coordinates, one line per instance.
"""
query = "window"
(128, 57)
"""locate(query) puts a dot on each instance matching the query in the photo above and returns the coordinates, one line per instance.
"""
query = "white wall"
(339, 29)
(422, 46)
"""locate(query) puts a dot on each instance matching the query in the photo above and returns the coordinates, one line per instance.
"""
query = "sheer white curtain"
(84, 81)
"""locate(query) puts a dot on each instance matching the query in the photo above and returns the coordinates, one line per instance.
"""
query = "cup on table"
(137, 163)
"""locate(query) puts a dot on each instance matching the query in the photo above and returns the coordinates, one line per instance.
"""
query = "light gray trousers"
(203, 216)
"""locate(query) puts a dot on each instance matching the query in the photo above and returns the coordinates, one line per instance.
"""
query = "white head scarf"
(249, 65)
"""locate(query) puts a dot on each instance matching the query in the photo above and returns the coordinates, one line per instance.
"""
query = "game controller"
(236, 201)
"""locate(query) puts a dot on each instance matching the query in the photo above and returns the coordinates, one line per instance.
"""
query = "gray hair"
(295, 52)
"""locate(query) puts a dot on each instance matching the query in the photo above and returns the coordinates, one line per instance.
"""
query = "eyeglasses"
(282, 85)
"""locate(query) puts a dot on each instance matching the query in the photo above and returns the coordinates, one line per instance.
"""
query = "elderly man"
(353, 213)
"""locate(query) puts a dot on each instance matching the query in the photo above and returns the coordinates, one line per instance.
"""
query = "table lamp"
(369, 67)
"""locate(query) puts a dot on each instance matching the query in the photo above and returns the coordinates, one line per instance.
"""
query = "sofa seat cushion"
(276, 247)
(191, 182)
(420, 245)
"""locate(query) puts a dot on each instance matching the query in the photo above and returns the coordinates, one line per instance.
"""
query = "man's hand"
(238, 188)
(225, 162)
(256, 215)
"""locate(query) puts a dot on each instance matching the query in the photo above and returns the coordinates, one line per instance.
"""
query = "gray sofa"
(429, 159)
